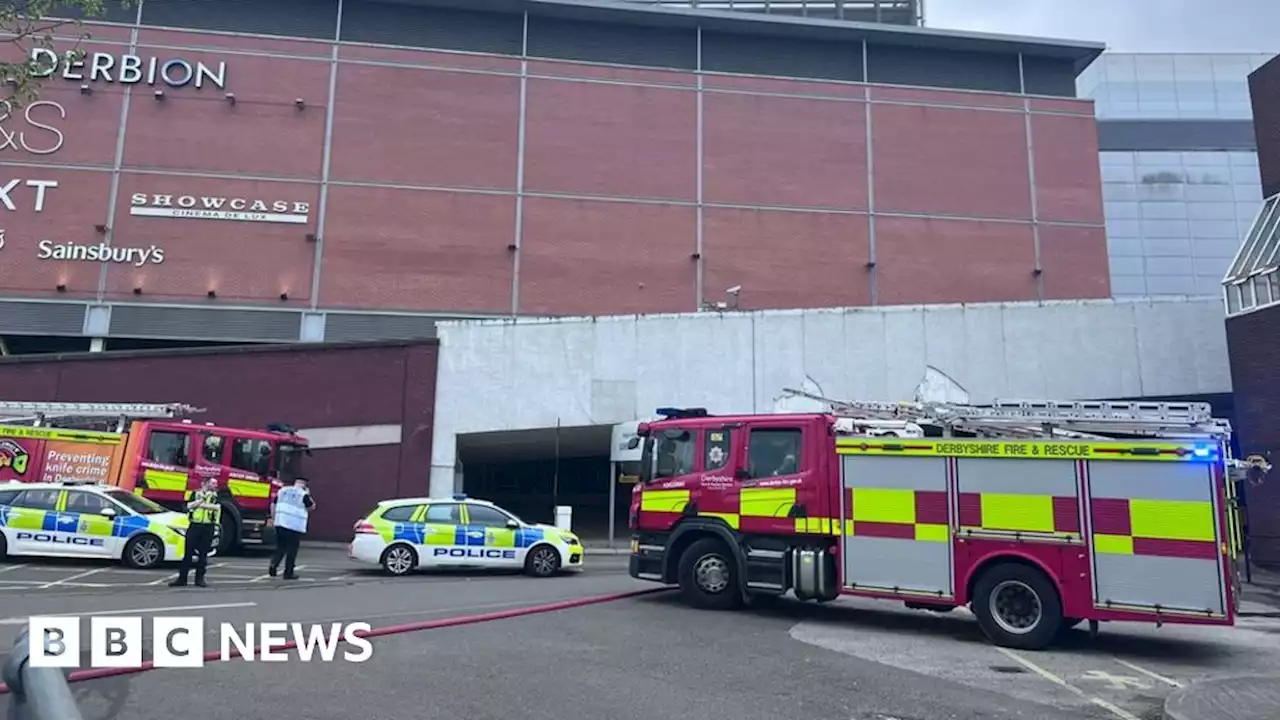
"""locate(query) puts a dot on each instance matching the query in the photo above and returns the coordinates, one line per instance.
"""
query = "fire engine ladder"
(72, 414)
(1046, 418)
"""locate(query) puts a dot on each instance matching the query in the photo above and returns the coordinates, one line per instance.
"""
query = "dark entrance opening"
(530, 472)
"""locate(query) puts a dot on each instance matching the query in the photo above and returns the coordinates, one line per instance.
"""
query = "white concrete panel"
(531, 373)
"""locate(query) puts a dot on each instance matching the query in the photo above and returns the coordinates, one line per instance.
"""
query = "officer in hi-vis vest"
(289, 513)
(205, 513)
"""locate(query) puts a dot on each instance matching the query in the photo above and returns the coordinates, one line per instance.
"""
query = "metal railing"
(37, 693)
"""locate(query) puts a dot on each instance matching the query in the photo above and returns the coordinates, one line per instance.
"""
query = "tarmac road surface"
(645, 657)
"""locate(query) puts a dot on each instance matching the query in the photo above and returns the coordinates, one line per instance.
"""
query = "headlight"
(569, 539)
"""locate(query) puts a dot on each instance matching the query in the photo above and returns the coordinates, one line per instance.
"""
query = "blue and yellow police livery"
(88, 521)
(459, 532)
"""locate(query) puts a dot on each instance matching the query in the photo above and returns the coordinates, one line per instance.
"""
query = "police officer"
(205, 513)
(289, 512)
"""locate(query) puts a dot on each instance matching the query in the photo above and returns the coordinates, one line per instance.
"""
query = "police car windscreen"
(140, 505)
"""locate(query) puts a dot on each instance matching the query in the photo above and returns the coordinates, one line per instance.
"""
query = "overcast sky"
(1124, 25)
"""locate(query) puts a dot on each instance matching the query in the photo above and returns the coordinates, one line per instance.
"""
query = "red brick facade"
(422, 210)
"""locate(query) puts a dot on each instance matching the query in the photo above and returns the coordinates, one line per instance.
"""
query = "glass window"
(674, 455)
(79, 501)
(169, 448)
(136, 503)
(717, 448)
(402, 513)
(774, 451)
(251, 455)
(487, 516)
(1262, 290)
(7, 496)
(445, 514)
(38, 500)
(214, 446)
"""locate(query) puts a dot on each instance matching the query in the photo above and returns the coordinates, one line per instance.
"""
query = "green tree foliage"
(26, 25)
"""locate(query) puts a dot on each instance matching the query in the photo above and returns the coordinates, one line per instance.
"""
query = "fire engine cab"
(1038, 516)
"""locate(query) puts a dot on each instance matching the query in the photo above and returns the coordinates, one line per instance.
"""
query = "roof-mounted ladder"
(64, 414)
(1039, 418)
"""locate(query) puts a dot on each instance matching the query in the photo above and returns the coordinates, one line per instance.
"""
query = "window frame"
(457, 507)
(105, 502)
(799, 449)
(184, 448)
(412, 509)
(29, 491)
(507, 519)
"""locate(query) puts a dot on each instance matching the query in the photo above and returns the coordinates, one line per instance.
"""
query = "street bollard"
(37, 693)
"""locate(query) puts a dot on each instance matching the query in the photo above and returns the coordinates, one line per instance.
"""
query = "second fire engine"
(153, 450)
(1036, 515)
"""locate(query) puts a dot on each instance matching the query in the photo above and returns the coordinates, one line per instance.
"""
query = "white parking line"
(7, 568)
(131, 611)
(1117, 711)
(1148, 673)
(68, 579)
(267, 576)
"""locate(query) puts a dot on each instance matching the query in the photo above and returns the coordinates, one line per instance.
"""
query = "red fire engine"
(153, 450)
(1037, 516)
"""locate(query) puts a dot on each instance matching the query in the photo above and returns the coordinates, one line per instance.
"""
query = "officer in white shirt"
(289, 513)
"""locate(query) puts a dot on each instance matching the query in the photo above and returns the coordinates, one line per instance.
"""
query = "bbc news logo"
(179, 642)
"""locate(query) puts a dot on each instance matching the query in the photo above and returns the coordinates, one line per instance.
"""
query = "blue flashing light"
(1201, 451)
(459, 496)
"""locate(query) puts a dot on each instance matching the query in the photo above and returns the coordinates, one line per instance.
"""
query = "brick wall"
(304, 386)
(1253, 342)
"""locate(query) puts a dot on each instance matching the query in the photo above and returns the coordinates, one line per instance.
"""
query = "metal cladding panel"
(432, 27)
(1264, 91)
(895, 473)
(29, 318)
(1155, 537)
(1173, 583)
(606, 43)
(316, 19)
(783, 57)
(1156, 481)
(352, 327)
(205, 324)
(901, 563)
(1175, 135)
(1012, 476)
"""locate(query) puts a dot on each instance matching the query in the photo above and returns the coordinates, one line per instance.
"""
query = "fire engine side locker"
(1154, 537)
(896, 526)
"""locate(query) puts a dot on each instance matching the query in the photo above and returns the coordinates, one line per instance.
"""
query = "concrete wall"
(523, 374)
(366, 408)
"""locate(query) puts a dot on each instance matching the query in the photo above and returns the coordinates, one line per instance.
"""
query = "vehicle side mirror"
(633, 443)
(741, 474)
(513, 524)
(107, 512)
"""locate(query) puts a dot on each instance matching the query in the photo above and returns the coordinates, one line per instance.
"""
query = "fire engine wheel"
(399, 560)
(1017, 607)
(708, 576)
(144, 552)
(224, 535)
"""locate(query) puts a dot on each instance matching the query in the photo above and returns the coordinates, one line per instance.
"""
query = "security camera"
(734, 290)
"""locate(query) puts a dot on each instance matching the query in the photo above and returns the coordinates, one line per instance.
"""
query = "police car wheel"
(144, 552)
(399, 560)
(4, 547)
(542, 561)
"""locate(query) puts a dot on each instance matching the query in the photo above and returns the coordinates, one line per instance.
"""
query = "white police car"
(88, 521)
(459, 532)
